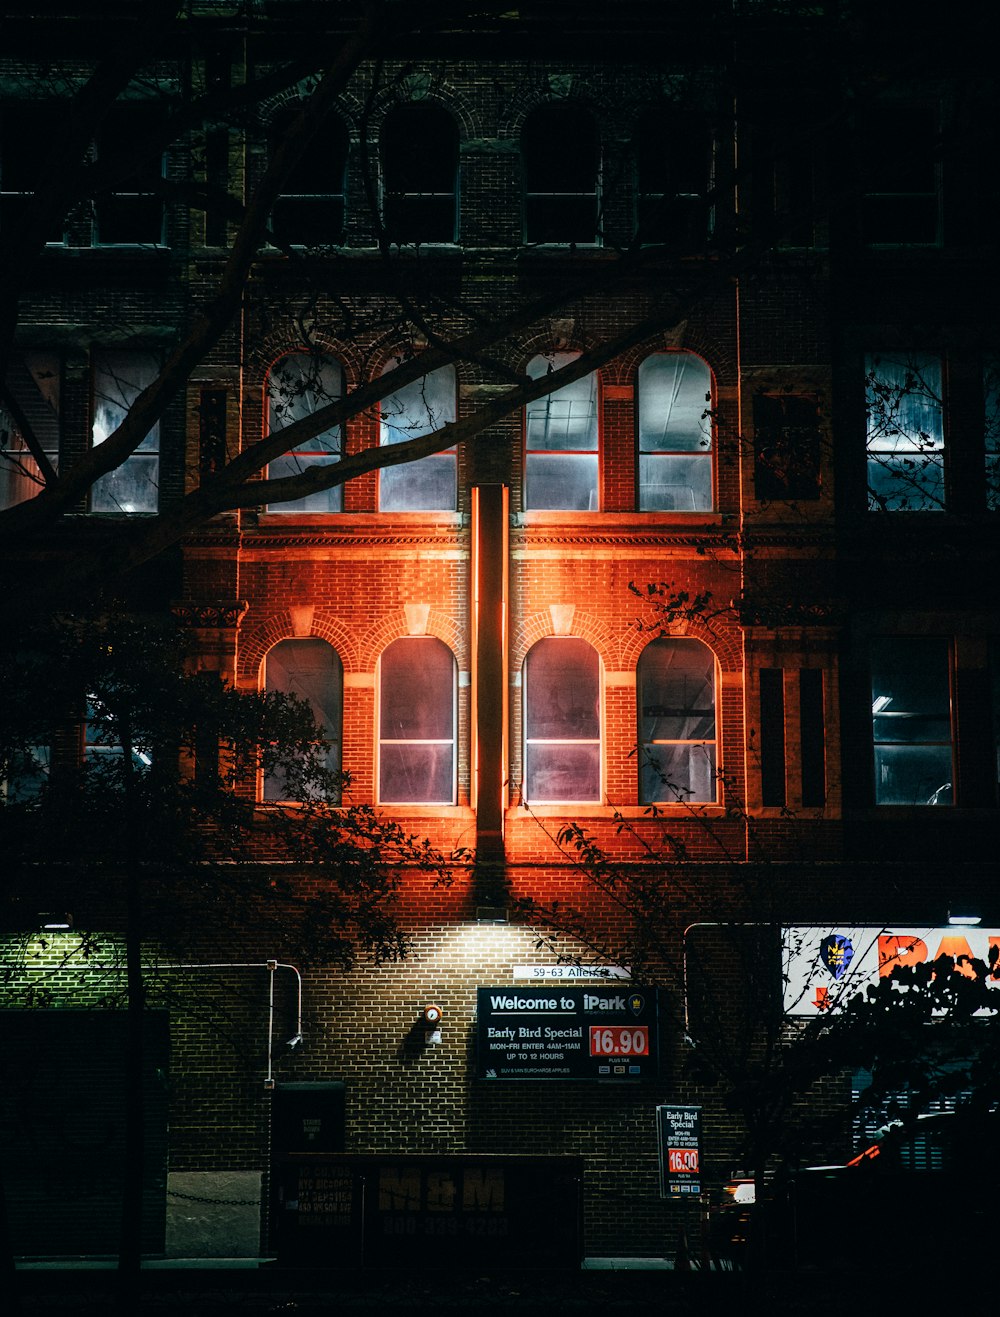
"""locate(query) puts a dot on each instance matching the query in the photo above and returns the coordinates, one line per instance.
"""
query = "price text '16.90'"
(619, 1040)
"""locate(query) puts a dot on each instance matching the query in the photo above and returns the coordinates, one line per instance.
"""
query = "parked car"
(923, 1195)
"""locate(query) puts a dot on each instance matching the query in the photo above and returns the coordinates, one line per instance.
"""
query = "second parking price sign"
(678, 1136)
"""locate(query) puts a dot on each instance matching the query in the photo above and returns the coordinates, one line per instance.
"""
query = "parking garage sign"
(678, 1138)
(600, 1031)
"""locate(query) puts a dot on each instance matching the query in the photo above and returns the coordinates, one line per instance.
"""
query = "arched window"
(312, 670)
(298, 385)
(672, 154)
(430, 483)
(675, 688)
(561, 441)
(419, 145)
(560, 153)
(311, 210)
(417, 718)
(675, 433)
(562, 722)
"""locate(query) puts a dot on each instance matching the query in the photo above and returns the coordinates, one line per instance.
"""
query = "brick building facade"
(466, 628)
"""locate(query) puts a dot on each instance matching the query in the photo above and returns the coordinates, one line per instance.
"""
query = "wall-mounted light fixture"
(433, 1015)
(963, 917)
(491, 914)
(56, 923)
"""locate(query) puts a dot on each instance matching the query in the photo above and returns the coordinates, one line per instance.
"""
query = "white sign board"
(569, 973)
(823, 966)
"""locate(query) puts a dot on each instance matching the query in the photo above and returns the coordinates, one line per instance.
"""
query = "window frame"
(336, 739)
(116, 195)
(529, 742)
(530, 194)
(898, 449)
(407, 201)
(331, 199)
(944, 714)
(555, 361)
(149, 447)
(645, 765)
(448, 416)
(383, 741)
(16, 459)
(335, 494)
(42, 115)
(708, 454)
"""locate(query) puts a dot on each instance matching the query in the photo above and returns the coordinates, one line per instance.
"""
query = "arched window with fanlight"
(417, 722)
(310, 669)
(298, 385)
(561, 441)
(562, 722)
(675, 690)
(675, 433)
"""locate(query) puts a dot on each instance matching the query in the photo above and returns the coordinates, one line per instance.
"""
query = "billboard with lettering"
(599, 1031)
(678, 1139)
(824, 966)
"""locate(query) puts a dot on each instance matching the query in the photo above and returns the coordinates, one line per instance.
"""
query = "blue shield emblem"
(836, 953)
(635, 1003)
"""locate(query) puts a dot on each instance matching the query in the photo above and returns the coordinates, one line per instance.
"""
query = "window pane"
(559, 773)
(675, 483)
(417, 700)
(419, 145)
(899, 175)
(903, 396)
(786, 447)
(417, 722)
(560, 482)
(565, 419)
(299, 385)
(420, 408)
(675, 696)
(33, 378)
(312, 671)
(675, 399)
(560, 155)
(676, 686)
(417, 774)
(678, 773)
(310, 211)
(119, 378)
(911, 721)
(991, 404)
(563, 686)
(129, 141)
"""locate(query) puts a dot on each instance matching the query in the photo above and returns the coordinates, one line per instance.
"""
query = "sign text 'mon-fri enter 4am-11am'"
(597, 1031)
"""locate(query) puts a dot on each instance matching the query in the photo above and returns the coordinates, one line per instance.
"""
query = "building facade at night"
(734, 587)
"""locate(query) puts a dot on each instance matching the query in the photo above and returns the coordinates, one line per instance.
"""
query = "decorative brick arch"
(440, 626)
(585, 626)
(280, 626)
(725, 646)
(439, 92)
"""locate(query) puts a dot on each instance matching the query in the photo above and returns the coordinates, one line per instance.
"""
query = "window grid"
(562, 442)
(675, 433)
(299, 385)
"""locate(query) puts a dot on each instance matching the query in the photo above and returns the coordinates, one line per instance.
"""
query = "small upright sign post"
(678, 1139)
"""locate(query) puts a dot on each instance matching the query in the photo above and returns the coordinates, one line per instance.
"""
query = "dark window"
(30, 402)
(417, 409)
(991, 429)
(133, 486)
(561, 441)
(672, 154)
(311, 209)
(298, 385)
(562, 722)
(675, 690)
(899, 176)
(129, 208)
(419, 145)
(675, 433)
(312, 671)
(911, 721)
(786, 447)
(812, 727)
(561, 161)
(906, 439)
(27, 129)
(417, 681)
(772, 736)
(783, 182)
